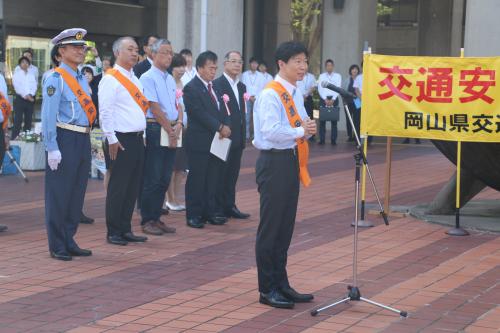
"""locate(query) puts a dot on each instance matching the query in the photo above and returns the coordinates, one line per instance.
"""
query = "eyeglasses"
(234, 61)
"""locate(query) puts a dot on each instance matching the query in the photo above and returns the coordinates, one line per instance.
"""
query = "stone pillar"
(482, 28)
(344, 33)
(224, 25)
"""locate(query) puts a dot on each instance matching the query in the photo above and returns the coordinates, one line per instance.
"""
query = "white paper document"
(164, 140)
(220, 147)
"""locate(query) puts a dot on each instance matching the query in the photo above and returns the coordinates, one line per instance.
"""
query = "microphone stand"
(13, 161)
(354, 293)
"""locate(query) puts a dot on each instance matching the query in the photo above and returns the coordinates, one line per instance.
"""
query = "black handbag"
(329, 113)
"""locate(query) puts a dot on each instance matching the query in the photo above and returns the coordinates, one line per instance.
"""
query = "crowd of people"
(159, 117)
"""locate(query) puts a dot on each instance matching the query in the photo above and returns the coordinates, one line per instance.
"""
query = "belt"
(74, 128)
(280, 151)
(153, 121)
(141, 133)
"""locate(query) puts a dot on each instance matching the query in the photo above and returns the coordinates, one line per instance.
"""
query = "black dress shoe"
(164, 211)
(117, 240)
(236, 213)
(195, 222)
(77, 252)
(321, 143)
(3, 228)
(276, 299)
(217, 220)
(64, 256)
(130, 237)
(86, 220)
(294, 296)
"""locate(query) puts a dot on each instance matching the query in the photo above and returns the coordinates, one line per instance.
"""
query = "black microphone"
(340, 91)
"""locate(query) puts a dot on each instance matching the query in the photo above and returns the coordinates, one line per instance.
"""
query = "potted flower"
(32, 150)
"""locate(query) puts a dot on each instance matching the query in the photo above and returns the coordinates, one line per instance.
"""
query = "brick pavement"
(205, 280)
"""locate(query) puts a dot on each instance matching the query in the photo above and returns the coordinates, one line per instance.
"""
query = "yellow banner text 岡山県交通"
(444, 98)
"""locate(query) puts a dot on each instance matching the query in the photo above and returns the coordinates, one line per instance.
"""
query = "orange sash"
(6, 110)
(84, 99)
(131, 88)
(295, 121)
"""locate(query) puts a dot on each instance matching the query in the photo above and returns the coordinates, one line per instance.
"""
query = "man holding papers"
(163, 119)
(229, 84)
(208, 121)
(122, 106)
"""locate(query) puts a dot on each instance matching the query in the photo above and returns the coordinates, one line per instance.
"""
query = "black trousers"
(65, 189)
(309, 105)
(123, 186)
(352, 110)
(23, 109)
(277, 178)
(2, 143)
(205, 171)
(226, 192)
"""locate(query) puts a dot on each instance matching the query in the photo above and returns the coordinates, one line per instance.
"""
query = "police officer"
(281, 131)
(67, 112)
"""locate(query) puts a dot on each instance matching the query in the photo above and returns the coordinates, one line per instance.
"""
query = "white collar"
(150, 60)
(204, 82)
(231, 81)
(288, 86)
(130, 73)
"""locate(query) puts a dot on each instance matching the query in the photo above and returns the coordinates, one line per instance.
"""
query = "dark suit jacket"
(238, 121)
(204, 117)
(142, 67)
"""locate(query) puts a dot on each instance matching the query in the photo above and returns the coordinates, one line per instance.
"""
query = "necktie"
(210, 92)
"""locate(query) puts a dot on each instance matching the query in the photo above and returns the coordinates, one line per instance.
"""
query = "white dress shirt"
(206, 86)
(234, 86)
(306, 84)
(272, 128)
(32, 69)
(333, 78)
(188, 75)
(24, 83)
(358, 83)
(3, 90)
(267, 78)
(118, 111)
(254, 81)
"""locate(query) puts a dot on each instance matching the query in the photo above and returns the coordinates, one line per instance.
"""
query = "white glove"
(54, 158)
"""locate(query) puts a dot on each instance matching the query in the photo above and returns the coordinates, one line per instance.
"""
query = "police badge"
(51, 90)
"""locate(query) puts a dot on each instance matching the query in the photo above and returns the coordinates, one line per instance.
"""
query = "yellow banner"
(455, 99)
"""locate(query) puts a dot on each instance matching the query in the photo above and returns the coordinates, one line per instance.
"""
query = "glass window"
(17, 44)
(399, 13)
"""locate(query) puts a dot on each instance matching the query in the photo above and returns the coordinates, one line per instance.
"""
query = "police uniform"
(66, 128)
(277, 176)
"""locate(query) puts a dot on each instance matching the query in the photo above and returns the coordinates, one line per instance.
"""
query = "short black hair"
(178, 61)
(327, 61)
(185, 52)
(24, 58)
(204, 57)
(263, 63)
(30, 51)
(289, 49)
(87, 69)
(145, 40)
(54, 53)
(253, 59)
(352, 67)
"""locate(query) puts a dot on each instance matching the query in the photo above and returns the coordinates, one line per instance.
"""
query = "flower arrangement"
(29, 136)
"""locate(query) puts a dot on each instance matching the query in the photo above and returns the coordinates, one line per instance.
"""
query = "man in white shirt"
(190, 72)
(281, 128)
(329, 98)
(254, 81)
(307, 86)
(123, 121)
(143, 66)
(25, 86)
(32, 69)
(263, 69)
